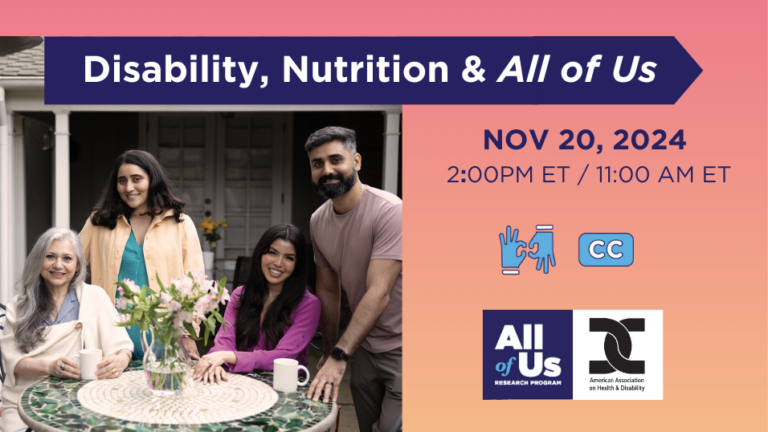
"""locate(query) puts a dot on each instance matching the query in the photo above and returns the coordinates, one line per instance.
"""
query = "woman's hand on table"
(209, 362)
(214, 375)
(70, 371)
(112, 366)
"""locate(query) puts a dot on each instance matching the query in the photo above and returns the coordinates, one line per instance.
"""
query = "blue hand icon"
(545, 252)
(509, 247)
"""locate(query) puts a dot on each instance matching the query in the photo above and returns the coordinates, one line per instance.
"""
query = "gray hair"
(35, 301)
(333, 133)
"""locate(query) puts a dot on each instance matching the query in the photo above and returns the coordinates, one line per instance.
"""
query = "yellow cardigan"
(171, 249)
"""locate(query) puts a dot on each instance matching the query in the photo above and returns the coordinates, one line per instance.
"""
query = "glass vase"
(166, 365)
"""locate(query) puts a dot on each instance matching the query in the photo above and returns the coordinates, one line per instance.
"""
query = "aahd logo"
(527, 354)
(618, 345)
(619, 354)
(532, 362)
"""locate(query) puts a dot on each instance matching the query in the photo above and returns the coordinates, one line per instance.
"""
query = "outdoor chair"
(241, 271)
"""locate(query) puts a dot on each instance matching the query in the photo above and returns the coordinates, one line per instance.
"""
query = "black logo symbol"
(618, 346)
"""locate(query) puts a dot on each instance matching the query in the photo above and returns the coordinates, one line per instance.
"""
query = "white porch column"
(391, 142)
(61, 171)
(6, 202)
(19, 197)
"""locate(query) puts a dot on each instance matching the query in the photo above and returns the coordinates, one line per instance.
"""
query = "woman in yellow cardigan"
(138, 231)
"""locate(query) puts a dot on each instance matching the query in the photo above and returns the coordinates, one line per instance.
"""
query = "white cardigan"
(94, 328)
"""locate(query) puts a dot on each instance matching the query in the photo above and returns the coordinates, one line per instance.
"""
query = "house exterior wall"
(97, 134)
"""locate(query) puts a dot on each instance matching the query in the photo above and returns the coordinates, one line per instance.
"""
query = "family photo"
(177, 267)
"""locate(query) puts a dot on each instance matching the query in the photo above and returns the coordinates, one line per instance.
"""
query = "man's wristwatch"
(339, 354)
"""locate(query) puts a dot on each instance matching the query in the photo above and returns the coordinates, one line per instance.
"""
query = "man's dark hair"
(333, 133)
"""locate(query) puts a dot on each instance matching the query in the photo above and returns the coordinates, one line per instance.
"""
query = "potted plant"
(212, 232)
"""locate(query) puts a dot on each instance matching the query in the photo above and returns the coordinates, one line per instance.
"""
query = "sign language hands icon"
(509, 251)
(545, 252)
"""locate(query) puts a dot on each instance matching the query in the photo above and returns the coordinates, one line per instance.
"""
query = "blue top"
(70, 310)
(134, 268)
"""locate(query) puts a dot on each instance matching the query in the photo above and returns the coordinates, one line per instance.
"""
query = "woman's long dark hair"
(160, 196)
(278, 316)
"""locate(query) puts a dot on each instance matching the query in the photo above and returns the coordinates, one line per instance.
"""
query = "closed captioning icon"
(606, 249)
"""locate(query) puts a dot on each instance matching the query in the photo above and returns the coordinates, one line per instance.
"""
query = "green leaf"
(224, 324)
(212, 323)
(159, 282)
(205, 341)
(191, 330)
(223, 282)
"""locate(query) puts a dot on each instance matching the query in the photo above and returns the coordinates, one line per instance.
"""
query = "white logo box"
(647, 346)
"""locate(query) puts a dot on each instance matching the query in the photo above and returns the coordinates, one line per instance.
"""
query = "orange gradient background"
(700, 249)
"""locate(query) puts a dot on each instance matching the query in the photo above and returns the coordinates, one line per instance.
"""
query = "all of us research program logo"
(581, 354)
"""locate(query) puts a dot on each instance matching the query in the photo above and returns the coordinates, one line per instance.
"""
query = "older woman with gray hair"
(54, 316)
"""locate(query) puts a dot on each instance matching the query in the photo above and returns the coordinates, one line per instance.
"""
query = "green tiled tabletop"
(51, 404)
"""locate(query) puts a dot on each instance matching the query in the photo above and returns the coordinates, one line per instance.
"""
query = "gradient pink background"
(700, 248)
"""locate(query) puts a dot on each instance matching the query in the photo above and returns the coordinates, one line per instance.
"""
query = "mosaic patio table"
(245, 403)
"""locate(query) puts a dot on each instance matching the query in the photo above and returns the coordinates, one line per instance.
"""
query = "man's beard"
(335, 190)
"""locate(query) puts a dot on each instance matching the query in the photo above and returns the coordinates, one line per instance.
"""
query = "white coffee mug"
(89, 358)
(286, 375)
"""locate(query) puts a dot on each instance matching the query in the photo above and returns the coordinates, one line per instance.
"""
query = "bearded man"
(357, 236)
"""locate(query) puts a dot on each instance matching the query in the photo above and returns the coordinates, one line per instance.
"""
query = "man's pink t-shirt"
(347, 242)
